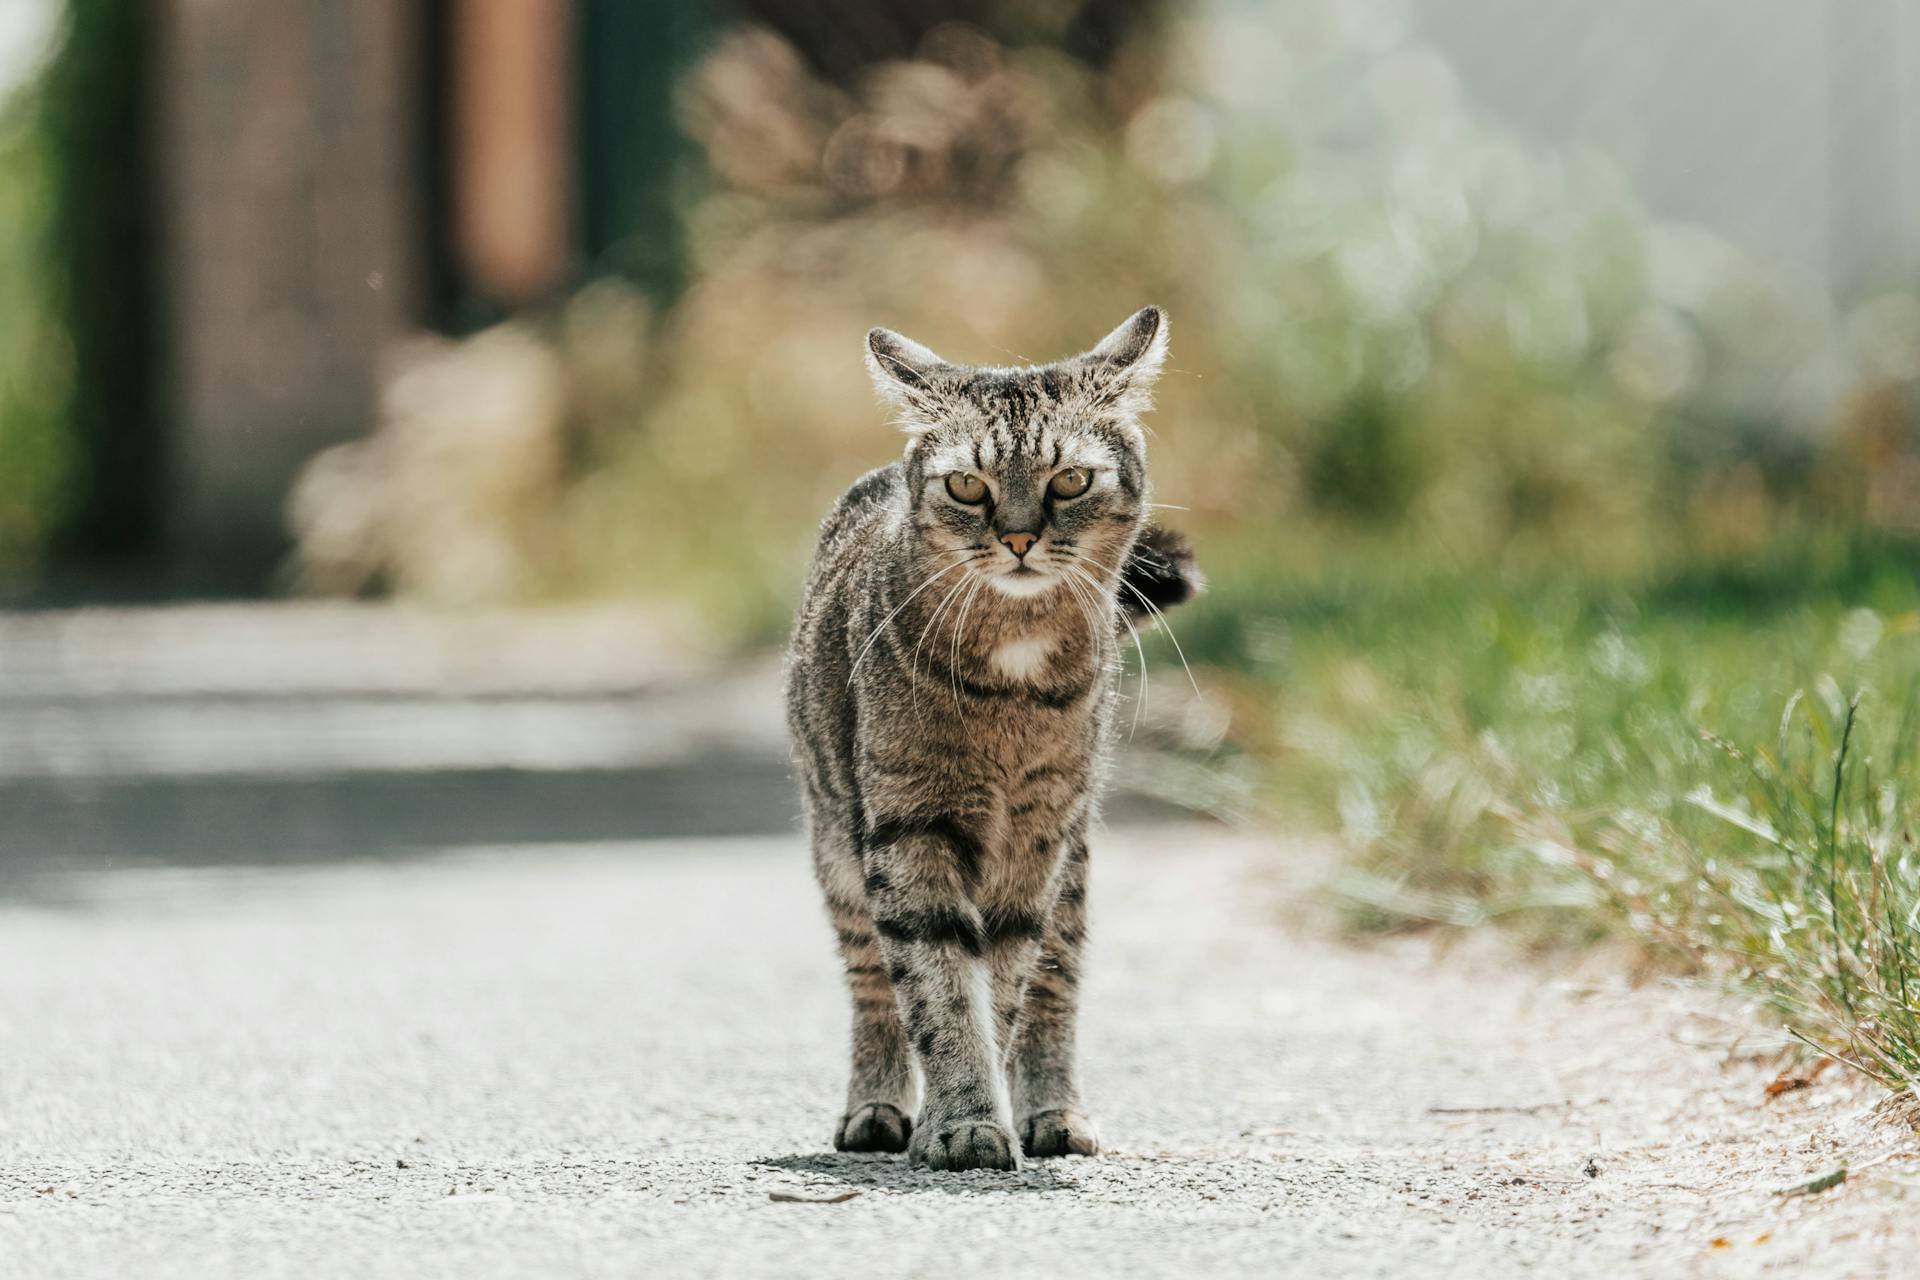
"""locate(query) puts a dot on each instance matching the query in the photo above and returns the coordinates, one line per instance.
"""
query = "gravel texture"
(616, 1060)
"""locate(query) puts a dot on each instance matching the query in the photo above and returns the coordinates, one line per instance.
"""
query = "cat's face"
(1033, 479)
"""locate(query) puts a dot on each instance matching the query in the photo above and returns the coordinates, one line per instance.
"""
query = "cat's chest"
(1023, 658)
(1039, 653)
(1032, 697)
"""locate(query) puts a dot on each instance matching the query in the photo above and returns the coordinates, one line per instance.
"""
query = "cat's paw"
(873, 1126)
(1061, 1132)
(964, 1144)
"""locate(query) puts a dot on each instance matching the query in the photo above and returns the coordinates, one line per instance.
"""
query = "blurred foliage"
(79, 455)
(95, 104)
(36, 355)
(1393, 325)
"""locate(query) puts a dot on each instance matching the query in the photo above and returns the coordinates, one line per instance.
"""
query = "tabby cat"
(951, 692)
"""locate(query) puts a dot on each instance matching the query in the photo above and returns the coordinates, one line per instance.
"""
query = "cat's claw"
(967, 1144)
(1060, 1132)
(873, 1126)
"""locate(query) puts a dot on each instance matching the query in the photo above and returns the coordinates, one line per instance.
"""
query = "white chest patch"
(1022, 659)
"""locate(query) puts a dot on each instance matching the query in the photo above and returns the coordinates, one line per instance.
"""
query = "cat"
(951, 691)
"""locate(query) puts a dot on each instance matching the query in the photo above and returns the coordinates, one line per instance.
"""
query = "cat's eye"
(1071, 483)
(966, 487)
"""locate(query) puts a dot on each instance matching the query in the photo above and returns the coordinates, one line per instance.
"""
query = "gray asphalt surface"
(608, 1060)
(267, 1008)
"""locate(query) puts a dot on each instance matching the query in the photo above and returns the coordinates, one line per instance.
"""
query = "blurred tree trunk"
(290, 140)
(509, 72)
(95, 111)
(631, 150)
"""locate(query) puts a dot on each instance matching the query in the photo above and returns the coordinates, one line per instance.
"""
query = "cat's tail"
(1161, 571)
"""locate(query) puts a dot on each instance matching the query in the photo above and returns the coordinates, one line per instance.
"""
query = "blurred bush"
(36, 355)
(444, 501)
(1394, 325)
(80, 451)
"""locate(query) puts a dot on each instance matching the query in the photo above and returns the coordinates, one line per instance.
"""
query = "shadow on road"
(82, 824)
(892, 1173)
(59, 825)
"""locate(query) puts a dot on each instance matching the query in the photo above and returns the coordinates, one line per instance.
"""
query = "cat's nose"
(1019, 543)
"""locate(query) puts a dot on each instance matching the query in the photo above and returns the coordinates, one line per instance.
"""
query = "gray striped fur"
(951, 719)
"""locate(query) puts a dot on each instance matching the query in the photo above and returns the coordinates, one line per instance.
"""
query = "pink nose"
(1018, 543)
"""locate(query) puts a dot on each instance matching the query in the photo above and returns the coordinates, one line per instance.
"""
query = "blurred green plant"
(1719, 766)
(1811, 879)
(79, 449)
(1390, 320)
(36, 357)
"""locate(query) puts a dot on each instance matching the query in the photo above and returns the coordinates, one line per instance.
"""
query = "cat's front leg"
(1046, 1072)
(934, 942)
(879, 1111)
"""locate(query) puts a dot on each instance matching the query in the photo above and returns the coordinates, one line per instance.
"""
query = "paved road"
(268, 1008)
(608, 1060)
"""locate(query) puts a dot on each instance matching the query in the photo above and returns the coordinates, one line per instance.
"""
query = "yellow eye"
(1071, 483)
(966, 487)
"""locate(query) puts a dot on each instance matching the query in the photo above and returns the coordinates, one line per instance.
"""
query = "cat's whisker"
(1101, 588)
(1084, 560)
(938, 610)
(1100, 637)
(953, 657)
(868, 646)
(1088, 596)
(1154, 609)
(959, 628)
(932, 620)
(1143, 682)
(1140, 688)
(1086, 608)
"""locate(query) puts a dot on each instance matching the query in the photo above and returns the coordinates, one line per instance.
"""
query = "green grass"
(1718, 762)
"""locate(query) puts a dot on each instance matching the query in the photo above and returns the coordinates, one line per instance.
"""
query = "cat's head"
(1031, 477)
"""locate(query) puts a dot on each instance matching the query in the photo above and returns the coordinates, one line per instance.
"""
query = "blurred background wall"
(231, 221)
(1789, 127)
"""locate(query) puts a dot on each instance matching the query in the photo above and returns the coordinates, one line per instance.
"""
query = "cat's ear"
(1129, 358)
(904, 372)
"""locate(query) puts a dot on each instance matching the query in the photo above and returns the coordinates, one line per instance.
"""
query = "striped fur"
(951, 708)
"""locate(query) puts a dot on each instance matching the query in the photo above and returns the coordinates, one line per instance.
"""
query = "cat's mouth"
(1023, 580)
